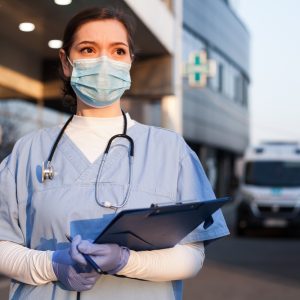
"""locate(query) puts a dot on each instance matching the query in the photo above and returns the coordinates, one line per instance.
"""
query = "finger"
(79, 282)
(75, 254)
(90, 280)
(84, 244)
(88, 248)
(86, 287)
(93, 249)
(92, 274)
(76, 240)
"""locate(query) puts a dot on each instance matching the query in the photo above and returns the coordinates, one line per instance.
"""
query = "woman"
(36, 213)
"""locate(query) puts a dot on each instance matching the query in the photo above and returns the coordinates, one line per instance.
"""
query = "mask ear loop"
(70, 61)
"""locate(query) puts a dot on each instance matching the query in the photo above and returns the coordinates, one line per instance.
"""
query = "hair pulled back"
(83, 17)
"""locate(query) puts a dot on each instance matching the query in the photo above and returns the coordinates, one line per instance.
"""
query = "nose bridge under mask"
(91, 61)
(100, 81)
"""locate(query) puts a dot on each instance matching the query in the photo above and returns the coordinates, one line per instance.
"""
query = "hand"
(72, 276)
(111, 258)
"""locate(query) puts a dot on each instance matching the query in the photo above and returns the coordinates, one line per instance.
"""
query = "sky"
(274, 27)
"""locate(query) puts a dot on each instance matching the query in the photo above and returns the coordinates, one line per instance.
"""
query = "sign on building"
(199, 68)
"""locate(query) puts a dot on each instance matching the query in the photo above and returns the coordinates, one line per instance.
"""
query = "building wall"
(210, 119)
(217, 24)
(214, 120)
(217, 115)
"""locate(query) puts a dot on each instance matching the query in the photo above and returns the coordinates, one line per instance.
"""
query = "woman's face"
(98, 38)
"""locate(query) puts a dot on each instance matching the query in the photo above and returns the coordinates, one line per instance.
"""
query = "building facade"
(216, 118)
(213, 119)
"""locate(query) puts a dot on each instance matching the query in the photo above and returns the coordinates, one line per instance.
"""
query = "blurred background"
(224, 74)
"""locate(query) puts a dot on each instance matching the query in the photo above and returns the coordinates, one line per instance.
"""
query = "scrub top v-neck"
(38, 215)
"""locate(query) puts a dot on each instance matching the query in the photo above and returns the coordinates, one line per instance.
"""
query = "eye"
(120, 51)
(86, 50)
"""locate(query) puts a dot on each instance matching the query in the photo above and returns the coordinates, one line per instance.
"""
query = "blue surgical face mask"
(100, 81)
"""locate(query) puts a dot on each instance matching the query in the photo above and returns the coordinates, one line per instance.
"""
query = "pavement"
(217, 281)
(4, 286)
(264, 265)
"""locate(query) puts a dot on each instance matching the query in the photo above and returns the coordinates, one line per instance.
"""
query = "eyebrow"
(94, 43)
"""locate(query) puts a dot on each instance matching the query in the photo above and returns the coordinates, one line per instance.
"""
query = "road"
(3, 288)
(261, 268)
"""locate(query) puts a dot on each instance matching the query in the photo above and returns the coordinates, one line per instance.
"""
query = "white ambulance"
(269, 190)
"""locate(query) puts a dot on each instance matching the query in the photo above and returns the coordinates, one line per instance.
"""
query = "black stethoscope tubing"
(58, 139)
(122, 135)
(131, 153)
(47, 170)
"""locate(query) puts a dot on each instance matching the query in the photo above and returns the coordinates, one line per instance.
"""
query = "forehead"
(100, 30)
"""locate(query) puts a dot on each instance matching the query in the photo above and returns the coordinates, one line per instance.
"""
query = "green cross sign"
(198, 69)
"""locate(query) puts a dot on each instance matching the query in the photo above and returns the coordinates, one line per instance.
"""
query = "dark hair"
(91, 14)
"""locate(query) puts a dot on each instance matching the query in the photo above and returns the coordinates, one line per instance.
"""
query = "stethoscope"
(48, 170)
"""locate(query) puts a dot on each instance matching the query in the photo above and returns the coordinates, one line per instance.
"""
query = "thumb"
(89, 248)
(75, 254)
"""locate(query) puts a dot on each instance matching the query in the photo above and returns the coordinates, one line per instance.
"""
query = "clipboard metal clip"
(156, 205)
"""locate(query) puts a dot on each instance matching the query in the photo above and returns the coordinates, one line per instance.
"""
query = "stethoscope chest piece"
(47, 171)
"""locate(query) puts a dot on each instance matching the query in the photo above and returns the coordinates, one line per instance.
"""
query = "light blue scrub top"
(38, 215)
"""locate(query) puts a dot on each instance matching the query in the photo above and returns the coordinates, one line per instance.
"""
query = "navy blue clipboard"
(158, 227)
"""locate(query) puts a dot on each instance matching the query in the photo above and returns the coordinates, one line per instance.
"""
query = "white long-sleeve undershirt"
(179, 262)
(34, 267)
(91, 134)
(26, 265)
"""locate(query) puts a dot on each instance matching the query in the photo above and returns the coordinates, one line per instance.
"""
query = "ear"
(66, 66)
(132, 56)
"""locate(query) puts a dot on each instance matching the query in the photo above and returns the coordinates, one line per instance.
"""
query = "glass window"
(28, 116)
(18, 118)
(217, 82)
(219, 79)
(245, 93)
(273, 173)
(238, 88)
(190, 44)
(228, 80)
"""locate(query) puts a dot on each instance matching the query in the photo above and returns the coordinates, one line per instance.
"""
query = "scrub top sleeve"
(193, 184)
(9, 211)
